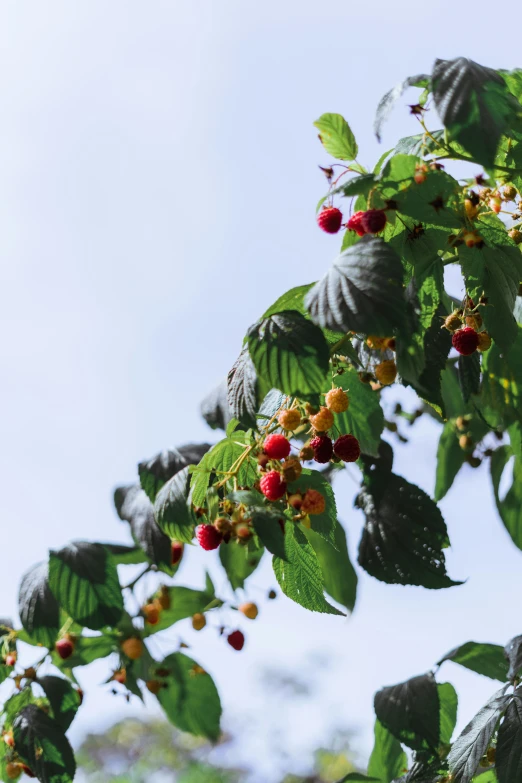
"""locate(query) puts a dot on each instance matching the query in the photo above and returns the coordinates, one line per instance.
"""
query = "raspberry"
(386, 372)
(313, 502)
(176, 552)
(376, 343)
(276, 447)
(484, 341)
(272, 485)
(208, 537)
(509, 193)
(516, 235)
(120, 676)
(289, 419)
(64, 647)
(330, 219)
(132, 648)
(355, 224)
(474, 320)
(223, 525)
(13, 770)
(495, 204)
(250, 610)
(236, 640)
(154, 686)
(151, 612)
(466, 442)
(347, 448)
(292, 469)
(323, 448)
(420, 173)
(471, 238)
(373, 220)
(198, 621)
(452, 322)
(8, 738)
(295, 501)
(337, 400)
(164, 597)
(323, 420)
(471, 208)
(465, 341)
(306, 453)
(10, 659)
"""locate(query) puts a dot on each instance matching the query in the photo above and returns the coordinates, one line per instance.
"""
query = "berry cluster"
(466, 326)
(370, 222)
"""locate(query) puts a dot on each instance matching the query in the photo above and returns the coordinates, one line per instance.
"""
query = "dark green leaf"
(474, 104)
(469, 375)
(339, 577)
(508, 761)
(470, 746)
(513, 652)
(267, 525)
(389, 100)
(501, 395)
(63, 698)
(42, 745)
(239, 562)
(510, 508)
(404, 535)
(299, 574)
(134, 507)
(432, 202)
(336, 136)
(356, 186)
(191, 701)
(126, 555)
(38, 608)
(215, 408)
(364, 417)
(410, 711)
(362, 291)
(448, 700)
(172, 508)
(480, 657)
(242, 390)
(323, 524)
(155, 472)
(84, 581)
(450, 459)
(357, 777)
(388, 760)
(419, 145)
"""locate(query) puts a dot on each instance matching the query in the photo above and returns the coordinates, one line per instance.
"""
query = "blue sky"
(159, 180)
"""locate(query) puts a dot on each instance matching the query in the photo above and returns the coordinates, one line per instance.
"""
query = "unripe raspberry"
(163, 598)
(323, 420)
(292, 469)
(420, 173)
(465, 442)
(465, 341)
(337, 400)
(236, 639)
(154, 686)
(323, 448)
(495, 204)
(347, 448)
(295, 501)
(223, 525)
(491, 755)
(276, 446)
(208, 537)
(376, 343)
(391, 343)
(313, 502)
(243, 533)
(132, 648)
(330, 219)
(471, 238)
(484, 342)
(306, 453)
(355, 224)
(365, 377)
(462, 422)
(515, 235)
(151, 612)
(474, 320)
(509, 193)
(177, 552)
(272, 485)
(289, 419)
(10, 659)
(386, 372)
(198, 621)
(9, 739)
(453, 322)
(120, 676)
(250, 610)
(13, 770)
(373, 221)
(64, 647)
(470, 208)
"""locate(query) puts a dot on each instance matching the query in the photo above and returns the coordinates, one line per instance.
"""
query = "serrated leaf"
(404, 534)
(172, 508)
(364, 417)
(339, 577)
(362, 291)
(84, 580)
(410, 711)
(219, 460)
(469, 375)
(289, 353)
(336, 136)
(266, 522)
(155, 472)
(357, 186)
(184, 602)
(433, 201)
(450, 459)
(63, 698)
(387, 760)
(242, 390)
(323, 524)
(38, 608)
(420, 144)
(191, 701)
(290, 300)
(508, 759)
(474, 104)
(389, 100)
(133, 506)
(42, 745)
(513, 653)
(125, 555)
(299, 574)
(480, 657)
(501, 394)
(510, 507)
(472, 743)
(449, 702)
(215, 408)
(239, 562)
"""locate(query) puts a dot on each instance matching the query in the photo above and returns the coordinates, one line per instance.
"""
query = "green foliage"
(336, 136)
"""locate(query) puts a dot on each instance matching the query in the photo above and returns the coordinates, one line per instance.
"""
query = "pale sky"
(159, 179)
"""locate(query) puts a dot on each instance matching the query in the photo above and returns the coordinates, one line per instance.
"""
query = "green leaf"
(63, 698)
(290, 300)
(510, 508)
(84, 580)
(474, 104)
(509, 745)
(88, 649)
(433, 201)
(410, 711)
(299, 575)
(480, 657)
(339, 577)
(266, 522)
(501, 396)
(126, 555)
(155, 472)
(191, 701)
(420, 144)
(38, 608)
(362, 291)
(357, 777)
(336, 136)
(5, 671)
(172, 509)
(323, 524)
(242, 390)
(364, 417)
(389, 100)
(469, 375)
(449, 701)
(388, 760)
(357, 186)
(219, 460)
(450, 459)
(215, 409)
(239, 562)
(289, 353)
(133, 506)
(42, 745)
(184, 602)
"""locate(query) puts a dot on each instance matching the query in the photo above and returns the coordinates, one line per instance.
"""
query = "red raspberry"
(65, 648)
(176, 552)
(276, 447)
(330, 219)
(273, 485)
(355, 224)
(208, 537)
(465, 341)
(323, 448)
(236, 639)
(347, 448)
(373, 220)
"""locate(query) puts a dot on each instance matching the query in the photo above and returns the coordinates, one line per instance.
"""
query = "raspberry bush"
(307, 394)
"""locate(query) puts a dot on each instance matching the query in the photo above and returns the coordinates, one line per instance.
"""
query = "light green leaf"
(239, 562)
(336, 136)
(339, 577)
(480, 657)
(388, 760)
(450, 459)
(448, 711)
(510, 508)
